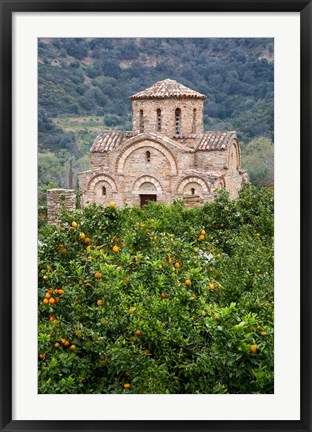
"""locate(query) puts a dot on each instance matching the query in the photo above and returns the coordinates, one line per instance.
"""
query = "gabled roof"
(208, 141)
(166, 89)
(109, 140)
(216, 140)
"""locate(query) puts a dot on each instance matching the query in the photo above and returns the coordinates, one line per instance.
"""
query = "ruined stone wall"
(191, 121)
(57, 199)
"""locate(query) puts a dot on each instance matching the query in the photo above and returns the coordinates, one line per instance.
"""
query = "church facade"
(166, 156)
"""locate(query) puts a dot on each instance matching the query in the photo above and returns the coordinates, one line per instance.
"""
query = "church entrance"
(146, 198)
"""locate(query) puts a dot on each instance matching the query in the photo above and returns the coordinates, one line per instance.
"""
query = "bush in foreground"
(159, 300)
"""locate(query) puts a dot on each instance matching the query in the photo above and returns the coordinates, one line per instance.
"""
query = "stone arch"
(193, 179)
(220, 183)
(147, 179)
(125, 153)
(234, 146)
(102, 178)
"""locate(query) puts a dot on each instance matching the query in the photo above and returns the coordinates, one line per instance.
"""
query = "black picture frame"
(7, 8)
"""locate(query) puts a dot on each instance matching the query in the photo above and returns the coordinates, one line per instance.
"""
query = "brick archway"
(192, 179)
(147, 179)
(102, 178)
(145, 142)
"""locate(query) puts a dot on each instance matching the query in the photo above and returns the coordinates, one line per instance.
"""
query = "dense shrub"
(146, 305)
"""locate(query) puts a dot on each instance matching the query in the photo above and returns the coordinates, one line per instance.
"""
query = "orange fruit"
(52, 300)
(163, 295)
(45, 301)
(116, 249)
(73, 347)
(52, 318)
(102, 357)
(57, 300)
(97, 275)
(89, 248)
(63, 251)
(47, 296)
(86, 240)
(253, 349)
(49, 268)
(127, 386)
(112, 204)
(60, 291)
(188, 282)
(138, 333)
(42, 356)
(263, 333)
(203, 232)
(201, 237)
(177, 265)
(74, 224)
(66, 343)
(211, 285)
(221, 225)
(170, 260)
(50, 291)
(82, 236)
(57, 345)
(99, 302)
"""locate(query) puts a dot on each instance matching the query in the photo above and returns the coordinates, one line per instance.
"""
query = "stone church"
(168, 155)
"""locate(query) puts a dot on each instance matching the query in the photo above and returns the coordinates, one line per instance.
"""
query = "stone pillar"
(58, 199)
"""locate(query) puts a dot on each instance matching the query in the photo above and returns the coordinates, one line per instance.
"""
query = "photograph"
(155, 215)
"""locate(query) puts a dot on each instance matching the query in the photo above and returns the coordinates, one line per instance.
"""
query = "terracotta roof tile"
(166, 89)
(109, 140)
(215, 140)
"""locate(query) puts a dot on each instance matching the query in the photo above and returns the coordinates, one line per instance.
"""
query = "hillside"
(84, 85)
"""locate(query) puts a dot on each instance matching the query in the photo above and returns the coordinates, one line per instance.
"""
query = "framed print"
(155, 215)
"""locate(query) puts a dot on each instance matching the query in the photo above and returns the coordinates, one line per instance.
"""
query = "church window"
(194, 121)
(148, 156)
(178, 121)
(141, 121)
(104, 191)
(193, 191)
(158, 124)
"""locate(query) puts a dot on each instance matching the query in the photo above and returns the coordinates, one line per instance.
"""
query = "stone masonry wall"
(57, 199)
(191, 122)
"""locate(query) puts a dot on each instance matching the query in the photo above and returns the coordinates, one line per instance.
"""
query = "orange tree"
(159, 300)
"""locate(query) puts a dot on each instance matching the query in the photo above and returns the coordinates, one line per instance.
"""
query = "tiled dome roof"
(166, 89)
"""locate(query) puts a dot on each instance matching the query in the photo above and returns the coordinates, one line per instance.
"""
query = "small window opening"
(158, 124)
(178, 121)
(104, 191)
(141, 121)
(194, 121)
(193, 191)
(148, 156)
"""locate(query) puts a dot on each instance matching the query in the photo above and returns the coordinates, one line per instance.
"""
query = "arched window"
(158, 120)
(141, 121)
(104, 191)
(148, 156)
(194, 121)
(178, 121)
(193, 191)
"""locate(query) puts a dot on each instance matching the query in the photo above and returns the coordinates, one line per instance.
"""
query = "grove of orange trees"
(164, 299)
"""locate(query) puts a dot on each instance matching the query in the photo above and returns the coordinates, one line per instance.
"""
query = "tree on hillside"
(258, 159)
